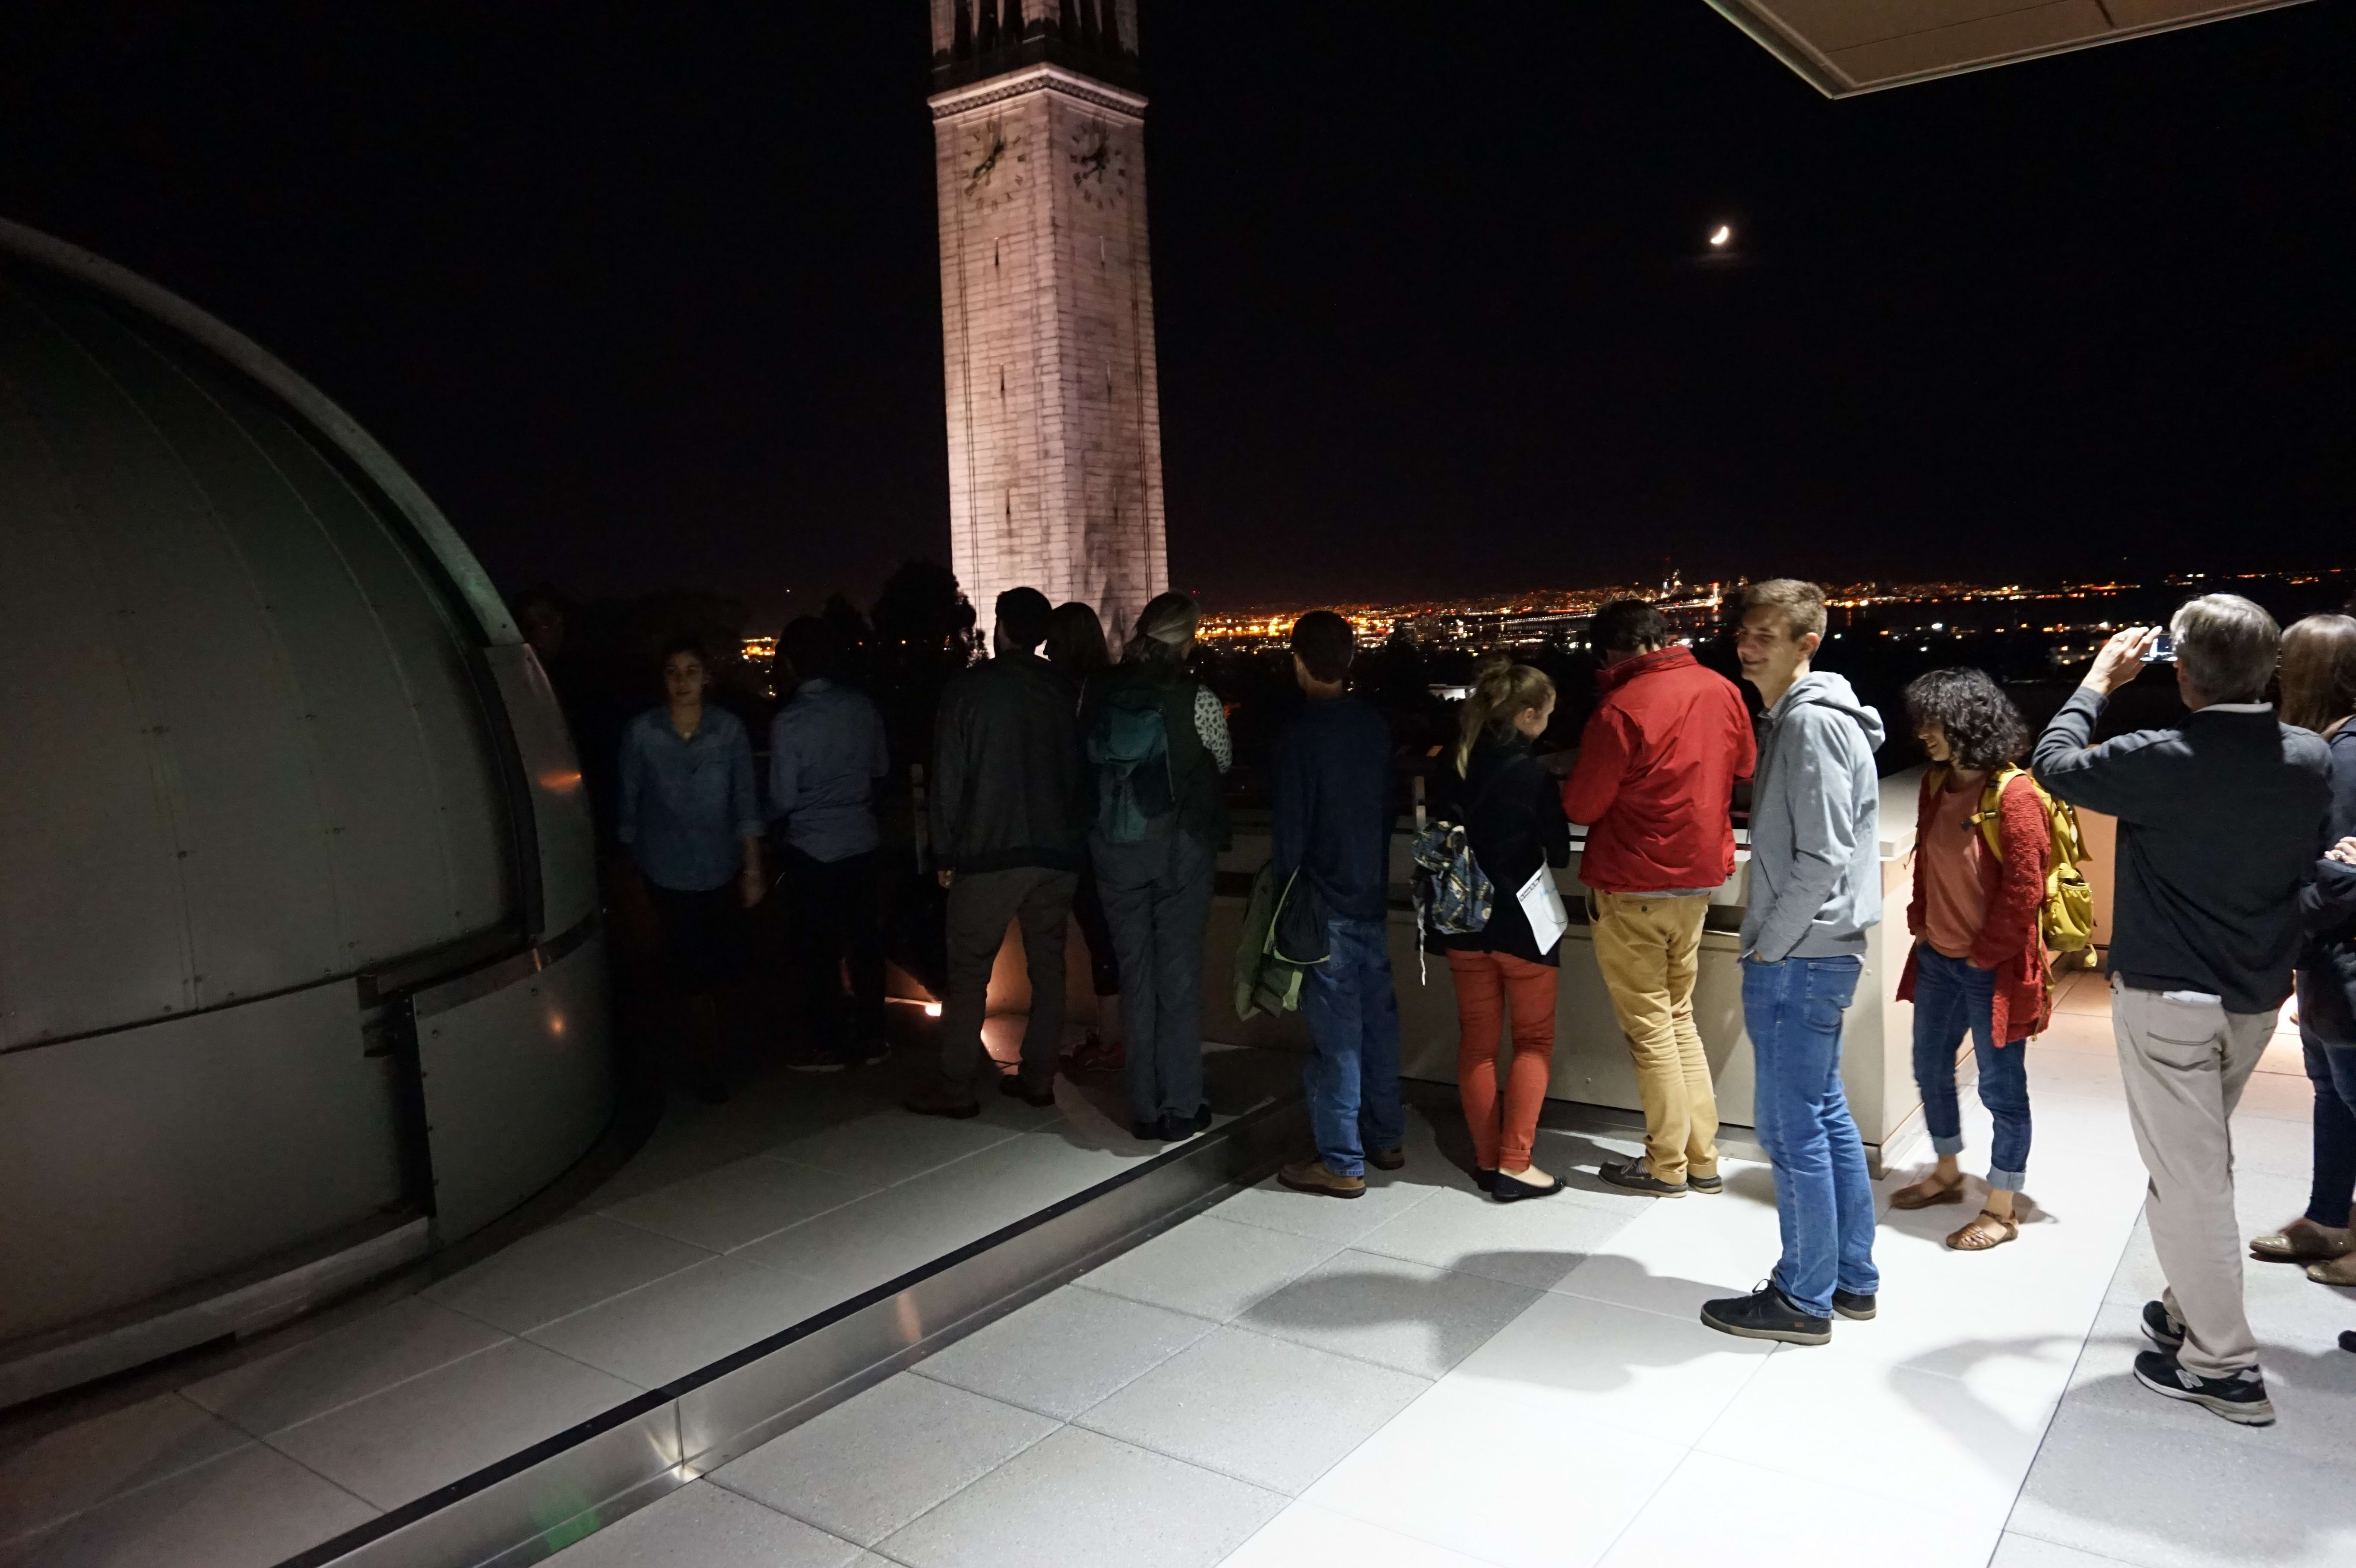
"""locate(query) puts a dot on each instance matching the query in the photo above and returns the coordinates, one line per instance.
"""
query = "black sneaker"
(1178, 1129)
(1514, 1190)
(1013, 1088)
(810, 1059)
(2348, 1339)
(2160, 1328)
(1633, 1175)
(1766, 1314)
(2240, 1398)
(1856, 1307)
(1707, 1186)
(1387, 1158)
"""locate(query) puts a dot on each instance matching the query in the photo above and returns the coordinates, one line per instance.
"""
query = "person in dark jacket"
(1076, 644)
(1006, 840)
(1511, 808)
(1979, 965)
(1332, 793)
(1157, 886)
(2318, 693)
(1658, 764)
(2220, 819)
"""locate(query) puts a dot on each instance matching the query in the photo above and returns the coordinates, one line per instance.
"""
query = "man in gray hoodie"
(1816, 889)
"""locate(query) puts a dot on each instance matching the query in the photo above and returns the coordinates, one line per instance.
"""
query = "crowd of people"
(1068, 786)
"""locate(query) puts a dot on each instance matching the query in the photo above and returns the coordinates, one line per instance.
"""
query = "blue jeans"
(1824, 1197)
(1352, 1073)
(1950, 999)
(2332, 1069)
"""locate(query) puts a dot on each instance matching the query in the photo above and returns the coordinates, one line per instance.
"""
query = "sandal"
(2303, 1242)
(1926, 1192)
(1988, 1229)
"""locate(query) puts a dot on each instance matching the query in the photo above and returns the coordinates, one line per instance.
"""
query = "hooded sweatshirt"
(1815, 851)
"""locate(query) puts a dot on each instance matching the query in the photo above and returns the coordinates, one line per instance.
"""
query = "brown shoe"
(935, 1100)
(1988, 1229)
(1312, 1175)
(2303, 1241)
(2338, 1271)
(1926, 1192)
(1387, 1158)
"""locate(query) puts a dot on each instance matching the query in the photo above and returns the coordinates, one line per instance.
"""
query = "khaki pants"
(1649, 950)
(2185, 1061)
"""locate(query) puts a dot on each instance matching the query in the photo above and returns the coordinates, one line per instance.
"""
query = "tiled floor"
(732, 1224)
(1422, 1379)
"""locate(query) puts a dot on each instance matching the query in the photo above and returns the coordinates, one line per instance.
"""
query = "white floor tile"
(1303, 1536)
(1595, 1366)
(432, 1430)
(1209, 1267)
(1066, 1351)
(1264, 1411)
(1410, 1316)
(1717, 1510)
(1961, 1444)
(704, 1526)
(1680, 1253)
(1341, 1220)
(1536, 1243)
(2018, 1550)
(43, 1479)
(1470, 1470)
(846, 1247)
(891, 1146)
(739, 1203)
(253, 1506)
(1083, 1500)
(871, 1465)
(686, 1320)
(405, 1339)
(562, 1270)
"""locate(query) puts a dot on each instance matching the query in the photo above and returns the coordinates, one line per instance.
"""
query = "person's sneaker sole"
(2156, 1329)
(2240, 1413)
(1781, 1335)
(821, 1064)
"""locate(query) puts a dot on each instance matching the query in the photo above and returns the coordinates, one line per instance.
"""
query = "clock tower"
(1054, 423)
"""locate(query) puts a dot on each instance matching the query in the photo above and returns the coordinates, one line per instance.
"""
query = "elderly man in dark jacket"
(1006, 837)
(2219, 821)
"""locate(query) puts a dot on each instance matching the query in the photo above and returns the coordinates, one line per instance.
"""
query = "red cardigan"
(2010, 942)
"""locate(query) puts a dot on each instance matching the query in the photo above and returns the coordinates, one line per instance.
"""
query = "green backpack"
(1130, 746)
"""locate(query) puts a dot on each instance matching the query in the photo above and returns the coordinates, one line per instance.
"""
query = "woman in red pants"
(1512, 811)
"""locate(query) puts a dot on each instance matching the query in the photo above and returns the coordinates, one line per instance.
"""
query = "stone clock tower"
(1047, 304)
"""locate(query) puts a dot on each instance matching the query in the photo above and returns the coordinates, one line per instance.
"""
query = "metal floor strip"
(535, 1502)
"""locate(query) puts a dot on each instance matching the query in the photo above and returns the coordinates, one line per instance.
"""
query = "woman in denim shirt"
(690, 820)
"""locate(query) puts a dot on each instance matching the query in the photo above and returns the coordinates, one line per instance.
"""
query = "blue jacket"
(688, 805)
(1332, 786)
(827, 753)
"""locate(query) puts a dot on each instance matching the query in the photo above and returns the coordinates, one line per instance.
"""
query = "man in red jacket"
(1654, 784)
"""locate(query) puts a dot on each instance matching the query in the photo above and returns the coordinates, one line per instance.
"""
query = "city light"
(1719, 240)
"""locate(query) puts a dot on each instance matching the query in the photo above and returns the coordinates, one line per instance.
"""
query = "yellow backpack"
(2067, 916)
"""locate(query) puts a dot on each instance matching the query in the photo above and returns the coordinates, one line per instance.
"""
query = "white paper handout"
(1541, 901)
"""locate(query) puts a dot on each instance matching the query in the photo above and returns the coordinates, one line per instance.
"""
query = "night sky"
(648, 296)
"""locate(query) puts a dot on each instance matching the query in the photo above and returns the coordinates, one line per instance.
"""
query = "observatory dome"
(299, 970)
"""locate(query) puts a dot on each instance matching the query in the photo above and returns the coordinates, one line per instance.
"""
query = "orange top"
(1954, 900)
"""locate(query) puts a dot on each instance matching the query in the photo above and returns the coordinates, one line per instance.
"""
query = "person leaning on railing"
(2219, 821)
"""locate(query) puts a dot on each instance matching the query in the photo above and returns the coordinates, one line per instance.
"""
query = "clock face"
(997, 163)
(1099, 163)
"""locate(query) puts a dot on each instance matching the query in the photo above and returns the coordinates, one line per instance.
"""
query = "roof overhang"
(1846, 46)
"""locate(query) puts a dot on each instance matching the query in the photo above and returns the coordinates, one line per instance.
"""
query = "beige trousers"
(2185, 1061)
(1649, 950)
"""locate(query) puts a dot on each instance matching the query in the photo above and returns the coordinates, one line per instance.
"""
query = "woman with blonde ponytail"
(1512, 811)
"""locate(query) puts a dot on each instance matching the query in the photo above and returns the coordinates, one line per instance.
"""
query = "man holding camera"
(2220, 821)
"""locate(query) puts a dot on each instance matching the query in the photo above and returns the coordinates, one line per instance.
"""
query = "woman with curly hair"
(1979, 962)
